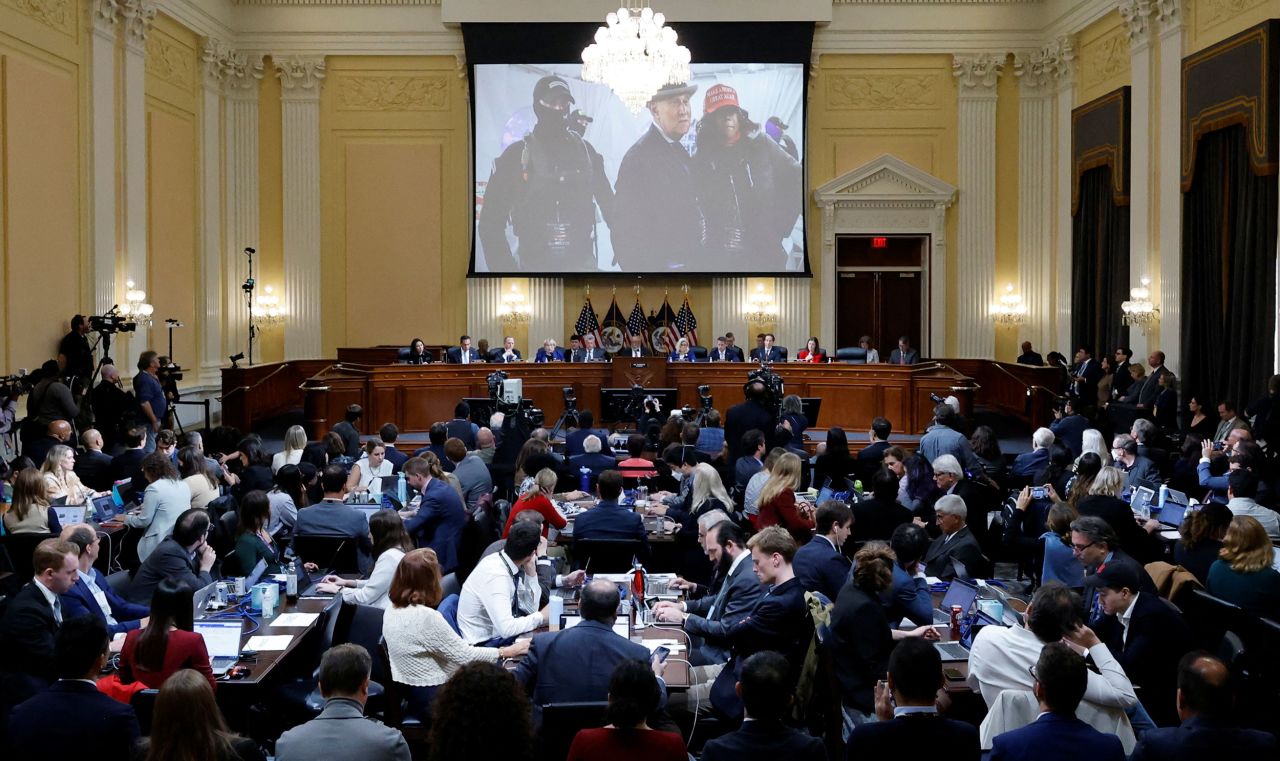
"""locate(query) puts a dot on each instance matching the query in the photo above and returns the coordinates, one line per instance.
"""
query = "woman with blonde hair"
(295, 441)
(60, 480)
(30, 512)
(778, 504)
(708, 491)
(537, 496)
(1092, 441)
(1103, 501)
(1243, 573)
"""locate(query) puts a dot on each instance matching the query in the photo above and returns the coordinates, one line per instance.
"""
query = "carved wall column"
(240, 131)
(728, 301)
(301, 78)
(791, 294)
(102, 98)
(1038, 75)
(136, 17)
(1169, 210)
(976, 248)
(484, 299)
(546, 312)
(1137, 19)
(1062, 257)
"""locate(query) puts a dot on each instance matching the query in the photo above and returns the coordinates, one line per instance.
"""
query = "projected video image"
(707, 179)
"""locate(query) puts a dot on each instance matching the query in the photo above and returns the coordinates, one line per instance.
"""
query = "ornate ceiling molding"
(300, 73)
(1040, 71)
(977, 74)
(138, 16)
(229, 68)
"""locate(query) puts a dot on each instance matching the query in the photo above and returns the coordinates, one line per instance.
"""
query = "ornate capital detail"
(1137, 20)
(977, 74)
(230, 69)
(138, 16)
(1169, 14)
(300, 73)
(1040, 70)
(105, 14)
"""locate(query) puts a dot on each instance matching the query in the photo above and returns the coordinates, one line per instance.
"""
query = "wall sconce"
(135, 305)
(1139, 309)
(1009, 310)
(267, 312)
(761, 308)
(513, 310)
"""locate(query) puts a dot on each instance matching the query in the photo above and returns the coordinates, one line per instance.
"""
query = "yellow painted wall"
(861, 106)
(42, 195)
(1212, 21)
(396, 232)
(172, 89)
(1102, 58)
(1007, 113)
(270, 207)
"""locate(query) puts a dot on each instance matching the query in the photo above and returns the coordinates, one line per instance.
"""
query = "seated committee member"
(165, 498)
(1205, 706)
(72, 713)
(499, 600)
(167, 644)
(185, 556)
(635, 347)
(338, 731)
(589, 351)
(1061, 678)
(331, 517)
(811, 352)
(91, 595)
(906, 705)
(508, 353)
(436, 517)
(31, 622)
(574, 665)
(634, 693)
(723, 352)
(608, 519)
(766, 351)
(768, 692)
(418, 354)
(463, 353)
(422, 645)
(681, 353)
(549, 352)
(873, 356)
(904, 354)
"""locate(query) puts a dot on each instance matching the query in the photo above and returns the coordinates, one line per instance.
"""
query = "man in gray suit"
(186, 556)
(473, 475)
(708, 618)
(341, 730)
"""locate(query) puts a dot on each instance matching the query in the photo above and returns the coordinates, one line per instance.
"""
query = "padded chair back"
(851, 355)
(782, 351)
(338, 554)
(562, 721)
(144, 706)
(396, 695)
(21, 548)
(699, 353)
(366, 631)
(1211, 618)
(119, 582)
(450, 585)
(402, 354)
(607, 555)
(448, 608)
(220, 506)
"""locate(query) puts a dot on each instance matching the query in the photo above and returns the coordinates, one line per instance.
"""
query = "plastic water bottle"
(584, 479)
(401, 490)
(555, 611)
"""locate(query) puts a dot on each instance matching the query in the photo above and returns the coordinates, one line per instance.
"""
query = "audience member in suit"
(440, 514)
(1096, 547)
(943, 436)
(91, 595)
(589, 351)
(340, 731)
(904, 354)
(185, 556)
(93, 467)
(1028, 464)
(767, 691)
(331, 517)
(461, 427)
(723, 352)
(127, 466)
(608, 519)
(31, 622)
(1205, 703)
(591, 458)
(437, 435)
(1069, 426)
(752, 460)
(187, 716)
(1139, 471)
(819, 564)
(59, 432)
(573, 443)
(473, 474)
(956, 545)
(750, 414)
(165, 498)
(574, 665)
(1146, 634)
(767, 352)
(861, 636)
(634, 694)
(1061, 679)
(508, 353)
(1085, 376)
(389, 433)
(72, 716)
(153, 653)
(549, 352)
(879, 515)
(909, 597)
(348, 431)
(708, 618)
(462, 354)
(909, 725)
(1030, 357)
(872, 455)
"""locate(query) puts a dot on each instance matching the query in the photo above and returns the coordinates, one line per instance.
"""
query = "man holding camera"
(151, 397)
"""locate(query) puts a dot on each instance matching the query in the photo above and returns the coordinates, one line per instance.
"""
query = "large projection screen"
(708, 179)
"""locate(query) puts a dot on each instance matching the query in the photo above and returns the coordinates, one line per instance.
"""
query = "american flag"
(588, 323)
(686, 324)
(637, 323)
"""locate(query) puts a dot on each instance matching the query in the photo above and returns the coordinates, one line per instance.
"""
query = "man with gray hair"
(1139, 470)
(592, 458)
(956, 551)
(979, 499)
(1095, 545)
(1026, 465)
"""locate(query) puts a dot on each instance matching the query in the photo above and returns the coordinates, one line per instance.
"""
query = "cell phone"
(1217, 446)
(952, 674)
(1039, 492)
(661, 652)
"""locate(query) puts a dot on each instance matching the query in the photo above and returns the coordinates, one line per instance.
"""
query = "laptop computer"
(1173, 514)
(222, 640)
(69, 514)
(256, 574)
(1171, 498)
(200, 600)
(1142, 498)
(367, 510)
(959, 651)
(960, 593)
(104, 508)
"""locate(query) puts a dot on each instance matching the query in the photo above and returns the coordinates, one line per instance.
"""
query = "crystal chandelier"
(635, 54)
(1139, 309)
(267, 312)
(1010, 310)
(514, 310)
(135, 306)
(761, 309)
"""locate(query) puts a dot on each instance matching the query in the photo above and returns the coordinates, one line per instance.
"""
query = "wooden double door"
(881, 291)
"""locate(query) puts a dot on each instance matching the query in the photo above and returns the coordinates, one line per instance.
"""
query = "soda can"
(240, 586)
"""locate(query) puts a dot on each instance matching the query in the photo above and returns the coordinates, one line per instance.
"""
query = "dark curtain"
(1228, 273)
(1100, 264)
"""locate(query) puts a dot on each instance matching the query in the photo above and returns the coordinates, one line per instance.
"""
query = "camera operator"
(752, 413)
(114, 409)
(50, 400)
(150, 394)
(75, 358)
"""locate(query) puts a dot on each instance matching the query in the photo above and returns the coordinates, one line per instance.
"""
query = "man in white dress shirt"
(500, 598)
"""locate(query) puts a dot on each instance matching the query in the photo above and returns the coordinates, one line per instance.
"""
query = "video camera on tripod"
(16, 385)
(508, 398)
(112, 322)
(773, 388)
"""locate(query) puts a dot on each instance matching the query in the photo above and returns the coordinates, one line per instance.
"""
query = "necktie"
(57, 610)
(719, 603)
(515, 594)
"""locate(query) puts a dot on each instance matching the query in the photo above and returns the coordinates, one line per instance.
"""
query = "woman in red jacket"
(167, 643)
(538, 497)
(812, 352)
(778, 504)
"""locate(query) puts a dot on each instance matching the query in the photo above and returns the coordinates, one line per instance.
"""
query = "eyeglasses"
(1032, 671)
(1081, 547)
